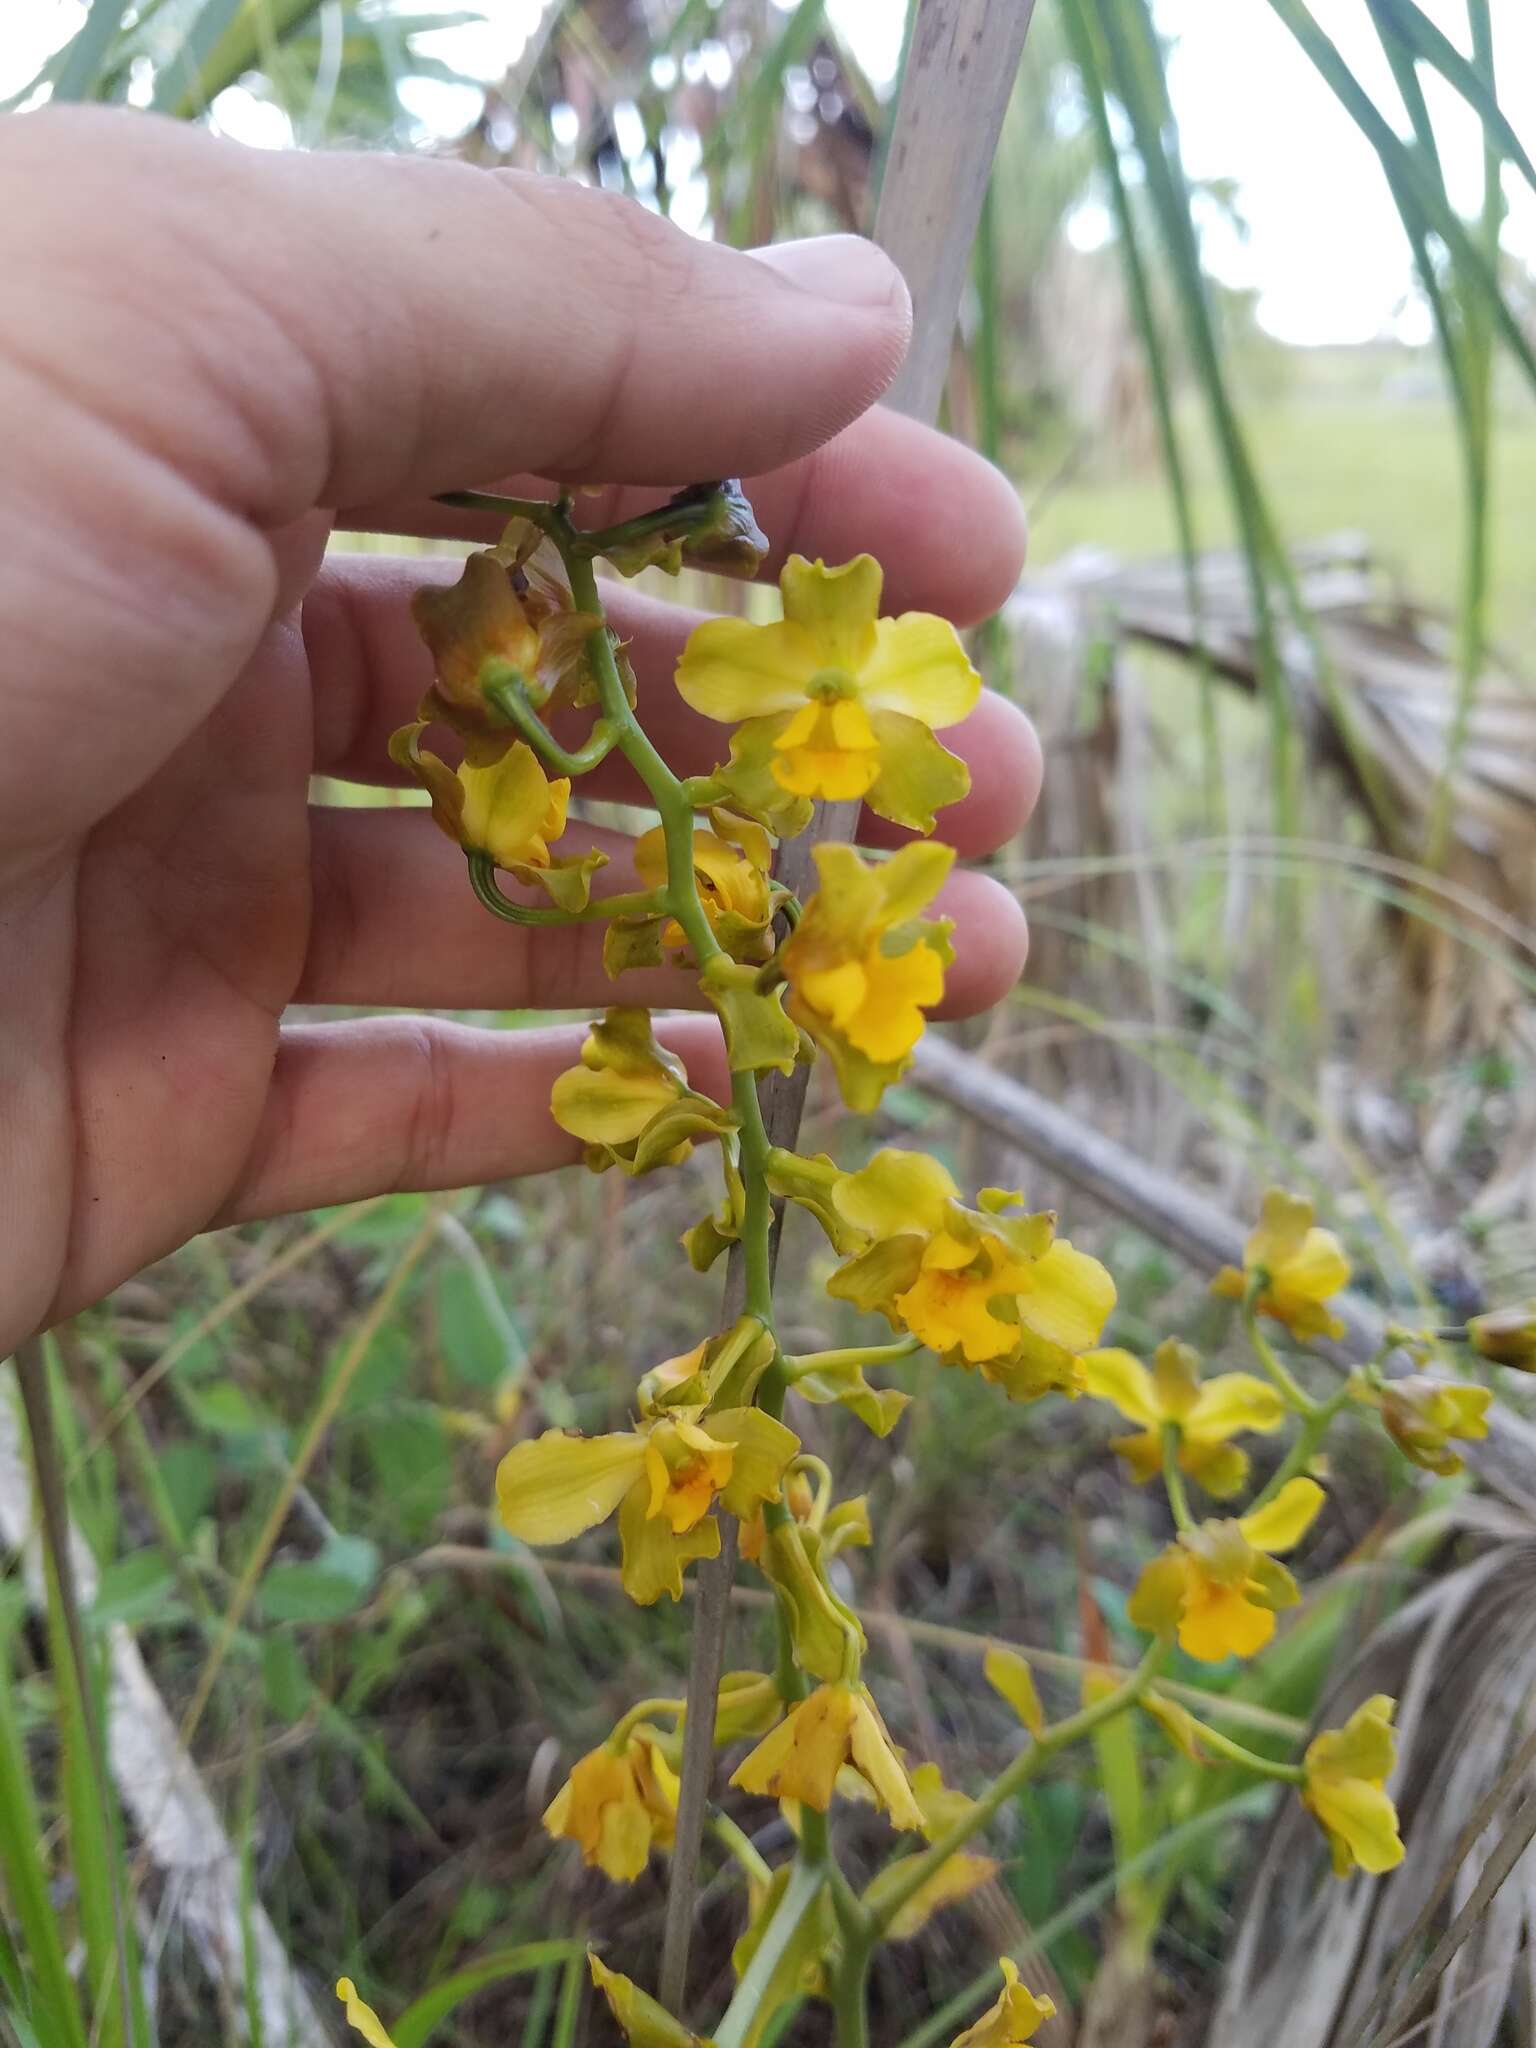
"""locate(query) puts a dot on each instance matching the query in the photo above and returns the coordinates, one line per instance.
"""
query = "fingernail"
(843, 268)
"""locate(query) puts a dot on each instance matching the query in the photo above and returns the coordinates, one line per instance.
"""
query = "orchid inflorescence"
(834, 701)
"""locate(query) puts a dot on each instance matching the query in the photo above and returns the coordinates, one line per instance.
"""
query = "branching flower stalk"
(836, 702)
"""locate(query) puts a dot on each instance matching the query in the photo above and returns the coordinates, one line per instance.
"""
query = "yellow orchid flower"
(1423, 1417)
(629, 1101)
(928, 1264)
(837, 701)
(1207, 1415)
(1300, 1268)
(837, 1725)
(1506, 1336)
(500, 803)
(991, 1287)
(480, 618)
(731, 866)
(1219, 1585)
(362, 2018)
(510, 607)
(862, 965)
(1012, 2020)
(619, 1802)
(1059, 1313)
(642, 2022)
(1345, 1789)
(663, 1479)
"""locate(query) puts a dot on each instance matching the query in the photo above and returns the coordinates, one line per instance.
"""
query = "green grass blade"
(97, 1865)
(56, 2009)
(540, 2006)
(1117, 1749)
(572, 1985)
(1414, 29)
(1083, 44)
(986, 365)
(225, 40)
(1137, 75)
(80, 75)
(1464, 330)
(1398, 159)
(1477, 452)
(416, 2023)
(180, 86)
(1135, 70)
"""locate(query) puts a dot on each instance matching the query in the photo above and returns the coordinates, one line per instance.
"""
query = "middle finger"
(370, 670)
(394, 924)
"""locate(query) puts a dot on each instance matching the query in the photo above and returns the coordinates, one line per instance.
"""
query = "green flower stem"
(787, 1675)
(757, 1217)
(850, 1994)
(543, 512)
(505, 690)
(643, 1710)
(817, 1468)
(675, 803)
(703, 790)
(1009, 1782)
(482, 879)
(1262, 1766)
(804, 1362)
(741, 1846)
(677, 519)
(672, 800)
(1295, 1395)
(1173, 1478)
(806, 1879)
(1308, 1439)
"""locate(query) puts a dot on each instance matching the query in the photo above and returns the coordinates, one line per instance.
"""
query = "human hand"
(209, 356)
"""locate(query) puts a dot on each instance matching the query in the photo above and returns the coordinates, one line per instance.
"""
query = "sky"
(1322, 246)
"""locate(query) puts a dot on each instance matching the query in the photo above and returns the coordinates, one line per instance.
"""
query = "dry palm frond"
(1319, 1961)
(1393, 663)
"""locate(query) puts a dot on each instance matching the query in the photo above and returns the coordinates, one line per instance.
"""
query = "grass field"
(1351, 440)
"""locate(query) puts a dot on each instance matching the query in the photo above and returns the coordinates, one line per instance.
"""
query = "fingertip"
(1000, 746)
(991, 941)
(1000, 543)
(846, 270)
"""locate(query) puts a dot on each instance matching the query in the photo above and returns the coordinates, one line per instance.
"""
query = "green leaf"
(228, 1410)
(190, 1477)
(382, 1371)
(408, 1450)
(80, 74)
(134, 1589)
(471, 1342)
(1413, 26)
(416, 2024)
(324, 1588)
(226, 39)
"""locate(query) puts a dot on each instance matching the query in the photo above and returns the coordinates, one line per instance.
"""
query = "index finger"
(397, 325)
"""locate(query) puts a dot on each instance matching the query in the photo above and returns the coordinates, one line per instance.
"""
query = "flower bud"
(1506, 1335)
